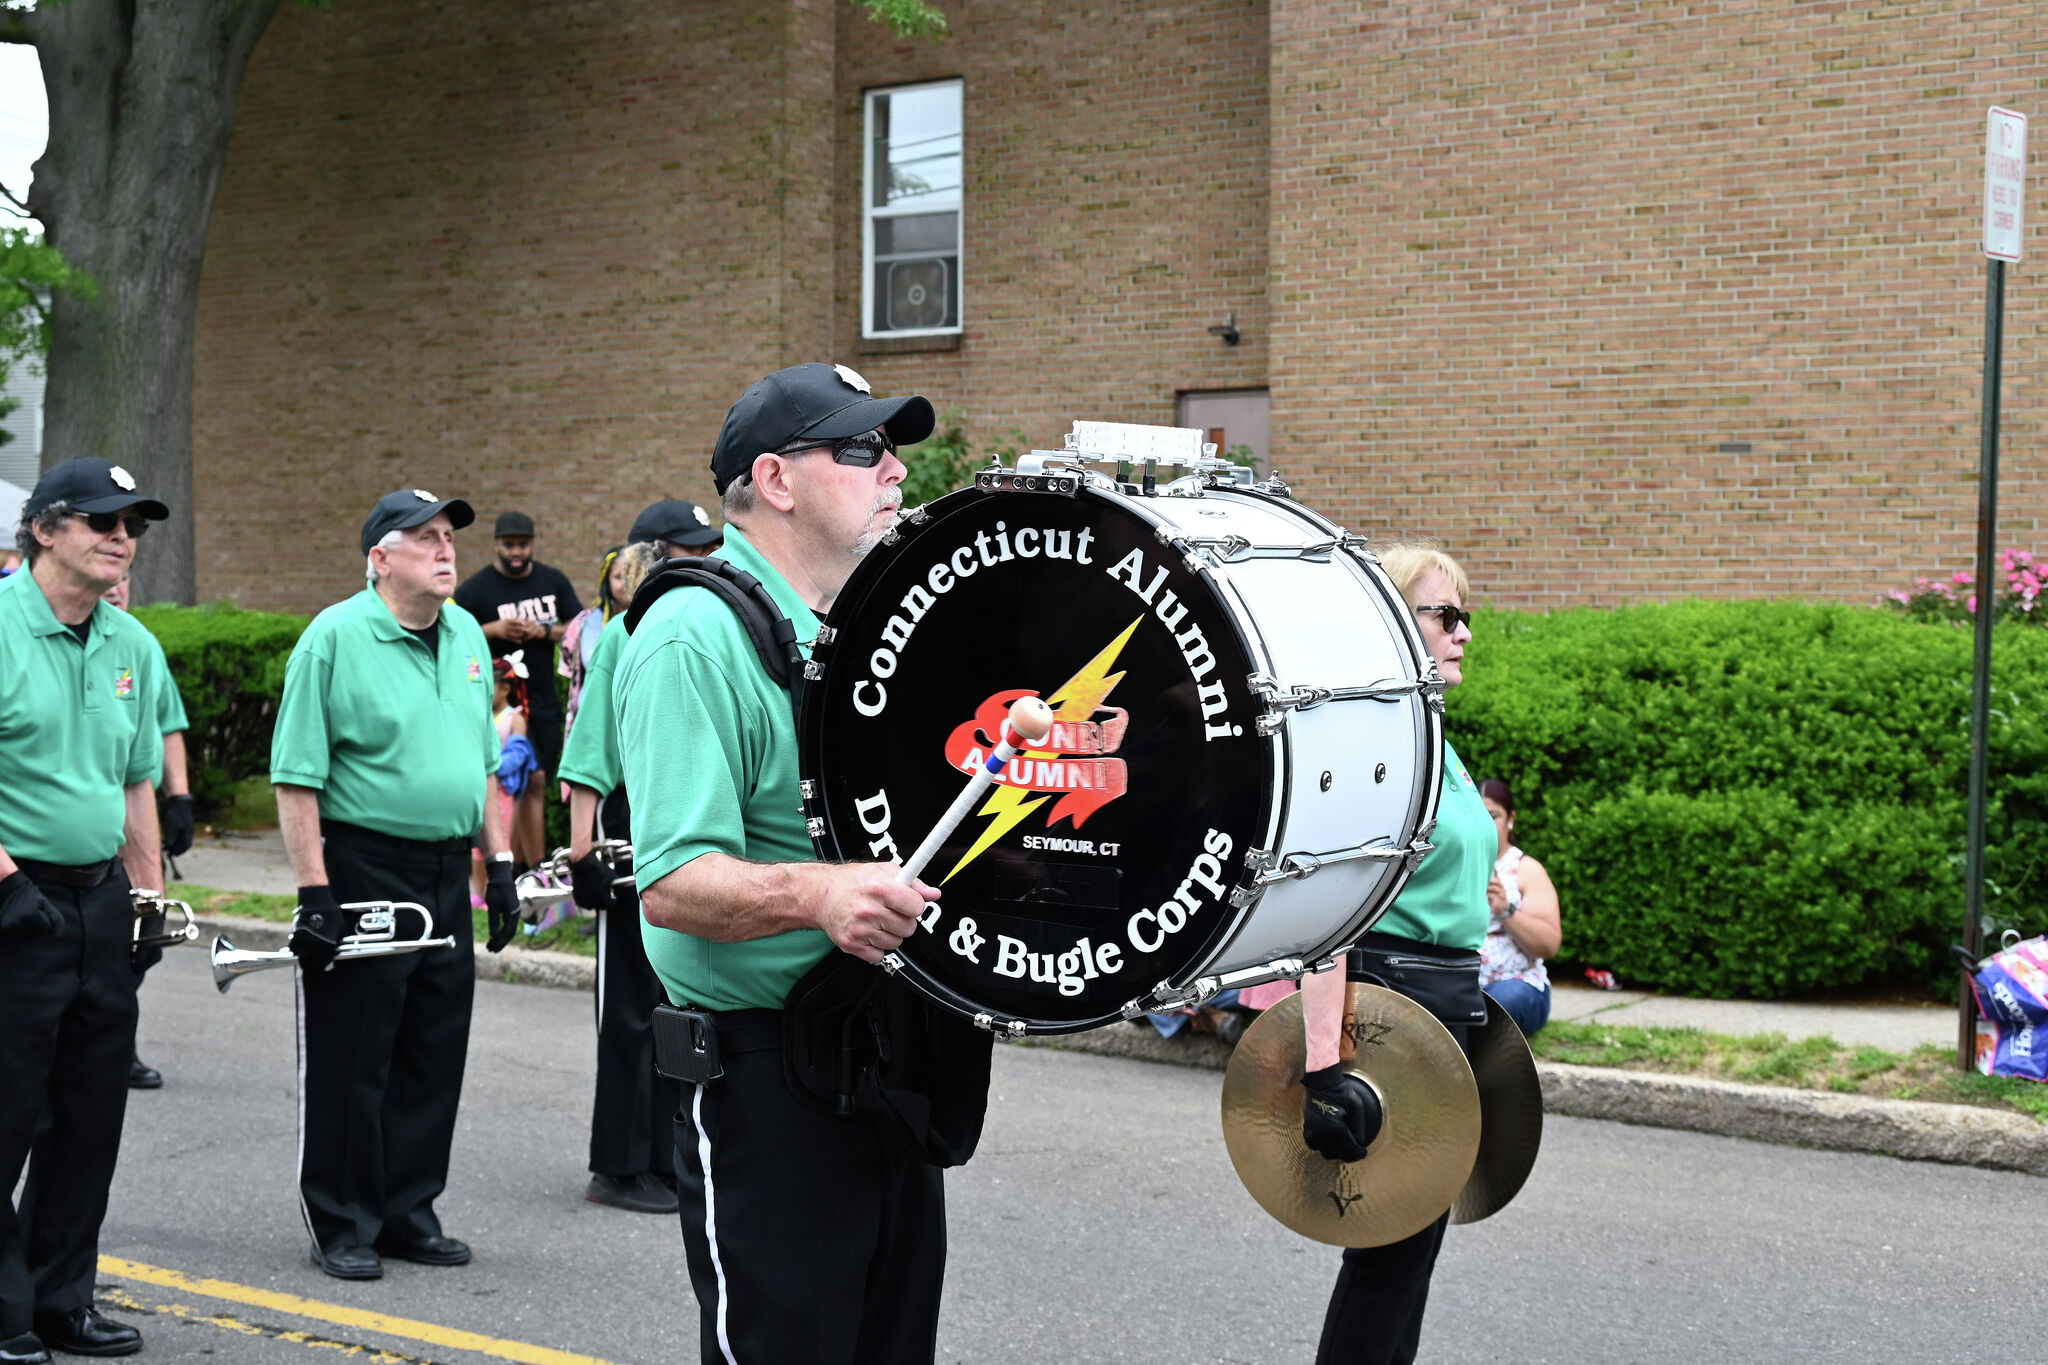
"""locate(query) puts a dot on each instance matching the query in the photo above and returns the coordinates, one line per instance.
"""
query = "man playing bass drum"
(809, 1236)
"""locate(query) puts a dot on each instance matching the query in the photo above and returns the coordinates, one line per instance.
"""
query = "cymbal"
(1414, 1168)
(1511, 1116)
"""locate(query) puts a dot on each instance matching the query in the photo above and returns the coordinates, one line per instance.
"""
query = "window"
(910, 284)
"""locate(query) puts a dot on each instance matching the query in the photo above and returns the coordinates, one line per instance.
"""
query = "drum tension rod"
(1235, 549)
(1278, 698)
(1297, 866)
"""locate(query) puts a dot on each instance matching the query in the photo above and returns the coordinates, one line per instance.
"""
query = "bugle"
(547, 884)
(153, 912)
(375, 935)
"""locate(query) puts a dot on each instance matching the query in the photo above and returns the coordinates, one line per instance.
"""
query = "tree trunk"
(142, 100)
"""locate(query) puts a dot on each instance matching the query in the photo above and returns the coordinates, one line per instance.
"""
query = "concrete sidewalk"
(1895, 1028)
(234, 860)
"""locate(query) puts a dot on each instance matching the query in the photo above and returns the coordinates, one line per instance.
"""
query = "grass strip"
(207, 900)
(1926, 1073)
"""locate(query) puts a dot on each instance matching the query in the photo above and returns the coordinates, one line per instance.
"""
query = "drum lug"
(815, 826)
(916, 516)
(824, 638)
(891, 963)
(807, 789)
(1274, 487)
(1269, 723)
(1299, 866)
(1164, 997)
(891, 536)
(1007, 1030)
(813, 670)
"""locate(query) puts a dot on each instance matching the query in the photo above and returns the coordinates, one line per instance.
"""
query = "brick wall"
(524, 253)
(1115, 207)
(1632, 301)
(1625, 301)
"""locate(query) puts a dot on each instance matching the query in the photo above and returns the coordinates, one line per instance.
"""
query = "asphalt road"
(1101, 1222)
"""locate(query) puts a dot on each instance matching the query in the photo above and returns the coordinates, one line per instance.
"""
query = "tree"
(142, 101)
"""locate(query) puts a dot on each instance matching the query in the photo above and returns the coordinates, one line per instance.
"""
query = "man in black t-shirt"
(523, 606)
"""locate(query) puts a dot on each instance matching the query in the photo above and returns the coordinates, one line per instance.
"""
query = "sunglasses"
(103, 523)
(1447, 616)
(862, 452)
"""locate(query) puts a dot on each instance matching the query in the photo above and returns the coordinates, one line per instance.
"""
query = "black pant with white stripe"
(632, 1120)
(382, 1042)
(809, 1238)
(67, 1030)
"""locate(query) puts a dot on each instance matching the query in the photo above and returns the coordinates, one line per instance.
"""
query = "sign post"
(2005, 179)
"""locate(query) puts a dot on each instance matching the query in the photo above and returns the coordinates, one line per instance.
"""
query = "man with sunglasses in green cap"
(808, 1236)
(80, 750)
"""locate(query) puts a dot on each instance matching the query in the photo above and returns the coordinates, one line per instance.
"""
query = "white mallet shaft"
(1029, 722)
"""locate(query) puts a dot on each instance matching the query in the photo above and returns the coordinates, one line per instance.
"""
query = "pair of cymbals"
(1457, 1135)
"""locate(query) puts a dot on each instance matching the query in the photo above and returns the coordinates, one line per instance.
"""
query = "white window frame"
(868, 213)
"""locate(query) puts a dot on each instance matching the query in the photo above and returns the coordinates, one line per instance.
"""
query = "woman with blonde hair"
(1426, 947)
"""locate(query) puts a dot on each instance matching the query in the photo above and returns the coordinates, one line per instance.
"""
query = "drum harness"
(931, 1096)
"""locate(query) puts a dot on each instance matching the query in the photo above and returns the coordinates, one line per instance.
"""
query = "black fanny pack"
(1444, 981)
(856, 1041)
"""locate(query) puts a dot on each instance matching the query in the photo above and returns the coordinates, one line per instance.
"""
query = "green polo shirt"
(1445, 901)
(170, 703)
(710, 763)
(394, 737)
(590, 758)
(78, 724)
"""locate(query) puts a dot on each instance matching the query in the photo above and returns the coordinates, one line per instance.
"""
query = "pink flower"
(1971, 605)
(1898, 597)
(1963, 578)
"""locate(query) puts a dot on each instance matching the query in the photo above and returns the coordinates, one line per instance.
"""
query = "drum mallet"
(1030, 720)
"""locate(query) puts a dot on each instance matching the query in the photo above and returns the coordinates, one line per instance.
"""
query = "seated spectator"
(1525, 928)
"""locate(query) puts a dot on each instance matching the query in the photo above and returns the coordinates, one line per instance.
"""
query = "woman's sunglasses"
(103, 523)
(1447, 616)
(862, 452)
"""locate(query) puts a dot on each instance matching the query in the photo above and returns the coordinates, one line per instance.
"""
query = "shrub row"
(229, 664)
(1760, 798)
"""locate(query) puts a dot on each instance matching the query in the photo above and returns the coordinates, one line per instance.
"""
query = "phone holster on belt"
(686, 1045)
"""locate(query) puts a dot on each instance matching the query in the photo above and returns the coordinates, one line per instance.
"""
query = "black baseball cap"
(409, 507)
(811, 402)
(675, 521)
(513, 524)
(90, 484)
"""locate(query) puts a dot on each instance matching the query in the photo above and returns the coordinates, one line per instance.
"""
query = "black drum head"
(1103, 865)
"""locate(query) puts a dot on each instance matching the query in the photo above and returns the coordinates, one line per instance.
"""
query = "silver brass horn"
(376, 935)
(547, 883)
(152, 921)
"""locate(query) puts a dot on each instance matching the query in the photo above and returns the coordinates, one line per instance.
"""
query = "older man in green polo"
(385, 763)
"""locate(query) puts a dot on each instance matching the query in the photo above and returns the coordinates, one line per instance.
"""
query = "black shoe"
(26, 1349)
(144, 1077)
(83, 1332)
(634, 1193)
(349, 1263)
(427, 1251)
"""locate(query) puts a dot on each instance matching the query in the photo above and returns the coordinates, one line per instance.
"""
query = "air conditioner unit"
(917, 294)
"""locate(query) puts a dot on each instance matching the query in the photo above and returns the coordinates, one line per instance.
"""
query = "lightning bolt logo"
(1077, 700)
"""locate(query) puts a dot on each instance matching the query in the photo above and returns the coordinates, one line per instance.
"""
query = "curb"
(530, 967)
(1956, 1134)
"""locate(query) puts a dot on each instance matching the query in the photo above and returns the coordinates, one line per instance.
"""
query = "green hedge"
(229, 664)
(1763, 798)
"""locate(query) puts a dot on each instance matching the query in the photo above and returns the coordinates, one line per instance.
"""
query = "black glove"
(501, 902)
(142, 959)
(590, 880)
(178, 828)
(316, 930)
(24, 911)
(1340, 1114)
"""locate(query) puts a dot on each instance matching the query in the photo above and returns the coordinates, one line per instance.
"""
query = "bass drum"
(1243, 766)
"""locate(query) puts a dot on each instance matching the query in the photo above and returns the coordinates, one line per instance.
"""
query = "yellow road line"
(359, 1318)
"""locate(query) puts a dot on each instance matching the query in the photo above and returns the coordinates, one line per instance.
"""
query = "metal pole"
(1980, 690)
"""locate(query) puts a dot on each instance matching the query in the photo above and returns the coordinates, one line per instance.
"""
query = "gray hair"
(740, 498)
(392, 540)
(50, 520)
